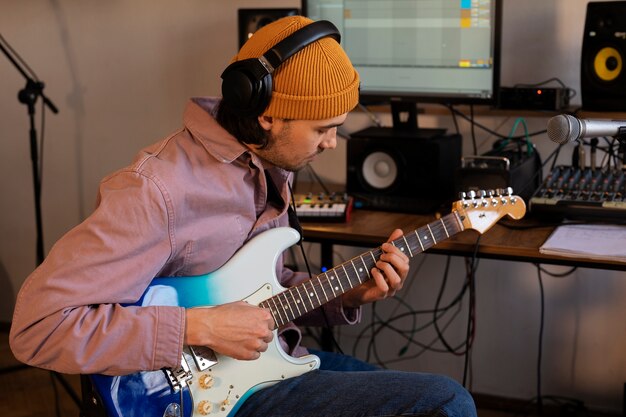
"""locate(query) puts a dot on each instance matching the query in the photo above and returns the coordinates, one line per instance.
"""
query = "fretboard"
(311, 294)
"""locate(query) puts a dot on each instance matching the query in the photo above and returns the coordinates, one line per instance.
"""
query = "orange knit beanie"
(318, 82)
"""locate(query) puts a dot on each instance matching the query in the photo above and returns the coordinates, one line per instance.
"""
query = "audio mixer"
(582, 194)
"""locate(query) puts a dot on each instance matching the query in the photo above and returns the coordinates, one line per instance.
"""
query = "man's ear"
(266, 122)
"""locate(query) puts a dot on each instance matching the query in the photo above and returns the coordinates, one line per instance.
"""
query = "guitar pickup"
(203, 357)
(179, 377)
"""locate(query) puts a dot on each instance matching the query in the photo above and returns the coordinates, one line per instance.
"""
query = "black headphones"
(247, 84)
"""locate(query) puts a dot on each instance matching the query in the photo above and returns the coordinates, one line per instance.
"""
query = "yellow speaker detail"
(608, 63)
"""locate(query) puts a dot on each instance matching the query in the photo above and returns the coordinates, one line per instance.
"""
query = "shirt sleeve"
(72, 314)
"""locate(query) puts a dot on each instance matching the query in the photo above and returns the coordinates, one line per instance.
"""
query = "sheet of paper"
(593, 241)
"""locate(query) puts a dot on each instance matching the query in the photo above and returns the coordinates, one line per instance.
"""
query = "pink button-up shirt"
(183, 207)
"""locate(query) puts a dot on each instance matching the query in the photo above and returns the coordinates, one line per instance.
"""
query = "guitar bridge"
(179, 377)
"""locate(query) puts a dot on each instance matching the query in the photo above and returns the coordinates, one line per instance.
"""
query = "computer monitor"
(409, 51)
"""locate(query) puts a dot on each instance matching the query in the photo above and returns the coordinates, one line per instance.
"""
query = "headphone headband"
(298, 40)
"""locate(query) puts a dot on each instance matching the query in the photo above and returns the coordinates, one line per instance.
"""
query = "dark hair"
(246, 129)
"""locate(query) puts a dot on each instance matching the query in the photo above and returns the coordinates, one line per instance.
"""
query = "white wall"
(120, 73)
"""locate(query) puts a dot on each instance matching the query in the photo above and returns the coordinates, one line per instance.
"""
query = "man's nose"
(330, 140)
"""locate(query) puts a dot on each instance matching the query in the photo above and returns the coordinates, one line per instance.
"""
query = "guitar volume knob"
(205, 407)
(206, 381)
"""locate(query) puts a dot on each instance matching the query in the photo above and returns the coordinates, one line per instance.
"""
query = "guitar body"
(219, 384)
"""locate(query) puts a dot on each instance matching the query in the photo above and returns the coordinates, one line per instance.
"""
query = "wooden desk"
(508, 240)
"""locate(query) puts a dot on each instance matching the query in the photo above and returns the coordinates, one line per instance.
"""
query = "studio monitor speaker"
(398, 171)
(603, 76)
(251, 20)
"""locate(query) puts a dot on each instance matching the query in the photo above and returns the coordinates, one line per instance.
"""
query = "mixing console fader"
(584, 194)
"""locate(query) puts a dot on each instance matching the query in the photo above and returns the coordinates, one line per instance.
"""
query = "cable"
(471, 316)
(472, 129)
(493, 132)
(540, 342)
(370, 114)
(18, 57)
(377, 326)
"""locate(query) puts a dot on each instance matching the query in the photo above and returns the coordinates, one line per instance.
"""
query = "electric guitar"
(207, 383)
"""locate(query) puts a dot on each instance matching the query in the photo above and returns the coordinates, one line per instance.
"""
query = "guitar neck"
(311, 294)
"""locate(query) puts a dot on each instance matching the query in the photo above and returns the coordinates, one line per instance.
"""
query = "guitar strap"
(274, 198)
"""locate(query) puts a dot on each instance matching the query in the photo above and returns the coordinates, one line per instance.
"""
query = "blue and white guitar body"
(210, 384)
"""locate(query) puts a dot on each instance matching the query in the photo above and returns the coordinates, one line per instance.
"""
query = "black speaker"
(251, 20)
(396, 170)
(602, 76)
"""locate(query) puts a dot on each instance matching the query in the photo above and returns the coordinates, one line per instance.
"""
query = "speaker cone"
(379, 170)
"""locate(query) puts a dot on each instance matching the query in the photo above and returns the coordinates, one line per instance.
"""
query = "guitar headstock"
(480, 210)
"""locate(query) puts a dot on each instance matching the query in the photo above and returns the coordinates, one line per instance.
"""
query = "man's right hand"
(239, 330)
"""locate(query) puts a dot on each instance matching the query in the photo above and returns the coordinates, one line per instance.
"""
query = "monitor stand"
(405, 126)
(405, 123)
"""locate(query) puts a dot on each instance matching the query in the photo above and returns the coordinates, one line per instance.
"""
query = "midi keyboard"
(323, 207)
(582, 194)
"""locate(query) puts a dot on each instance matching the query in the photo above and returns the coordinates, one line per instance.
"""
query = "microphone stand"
(28, 96)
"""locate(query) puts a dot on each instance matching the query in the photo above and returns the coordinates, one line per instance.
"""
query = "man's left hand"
(388, 276)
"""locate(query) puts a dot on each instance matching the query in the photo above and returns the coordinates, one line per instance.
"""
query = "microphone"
(565, 128)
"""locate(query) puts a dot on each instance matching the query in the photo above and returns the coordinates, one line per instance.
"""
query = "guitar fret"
(459, 221)
(419, 240)
(319, 280)
(372, 255)
(367, 270)
(285, 306)
(347, 276)
(277, 312)
(312, 295)
(356, 272)
(431, 233)
(300, 300)
(331, 284)
(308, 296)
(444, 227)
(338, 280)
(315, 292)
(295, 302)
(407, 245)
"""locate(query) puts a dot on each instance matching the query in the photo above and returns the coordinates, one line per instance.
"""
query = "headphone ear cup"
(247, 87)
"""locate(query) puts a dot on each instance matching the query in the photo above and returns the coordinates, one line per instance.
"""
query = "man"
(184, 207)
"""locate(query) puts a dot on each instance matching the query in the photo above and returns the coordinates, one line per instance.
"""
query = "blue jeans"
(347, 387)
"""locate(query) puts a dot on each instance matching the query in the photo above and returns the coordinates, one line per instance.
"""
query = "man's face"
(294, 143)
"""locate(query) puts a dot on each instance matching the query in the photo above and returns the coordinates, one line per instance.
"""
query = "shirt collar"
(198, 119)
